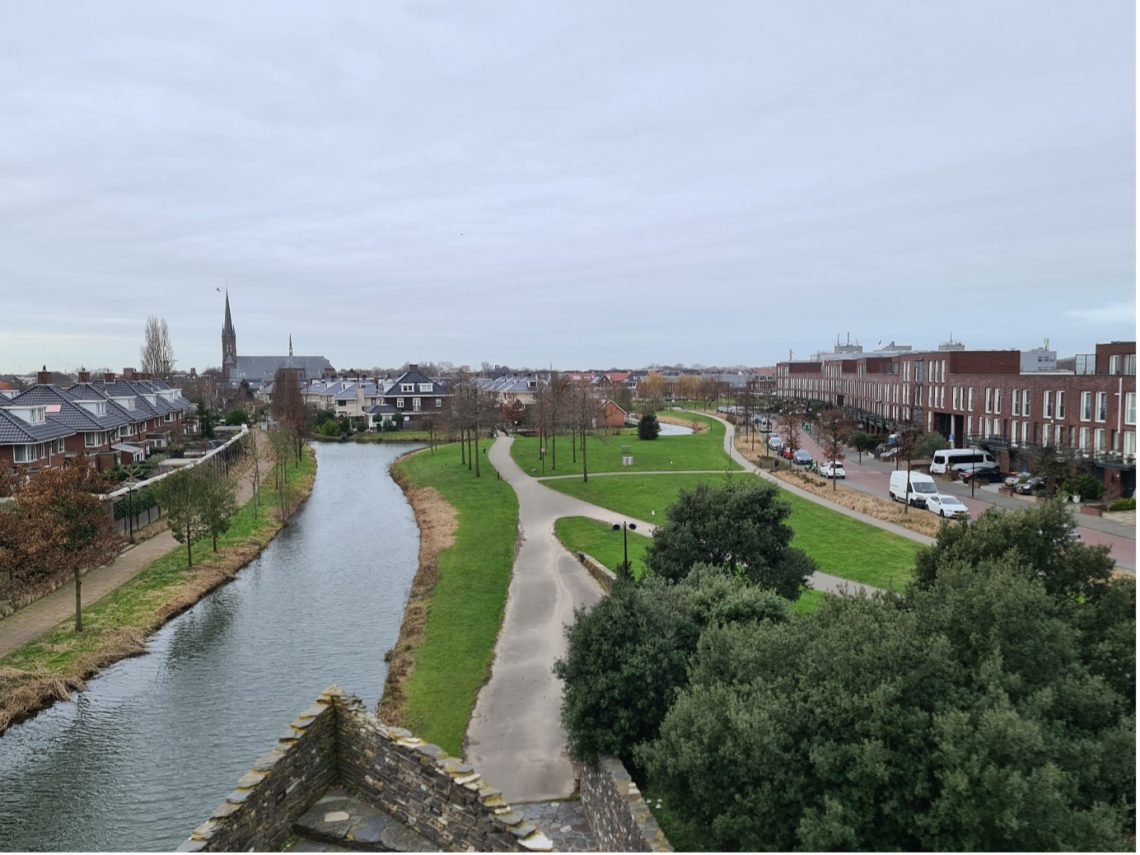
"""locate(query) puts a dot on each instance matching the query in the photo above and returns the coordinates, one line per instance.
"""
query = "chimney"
(84, 376)
(43, 377)
(128, 374)
(109, 377)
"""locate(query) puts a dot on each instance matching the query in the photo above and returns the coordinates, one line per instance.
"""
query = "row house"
(982, 398)
(414, 395)
(509, 388)
(111, 421)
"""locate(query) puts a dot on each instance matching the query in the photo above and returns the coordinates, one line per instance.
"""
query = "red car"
(788, 453)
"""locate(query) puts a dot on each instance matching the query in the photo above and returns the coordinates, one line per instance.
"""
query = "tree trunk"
(78, 602)
(478, 439)
(585, 477)
(189, 548)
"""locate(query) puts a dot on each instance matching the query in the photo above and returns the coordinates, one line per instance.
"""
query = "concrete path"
(515, 737)
(46, 613)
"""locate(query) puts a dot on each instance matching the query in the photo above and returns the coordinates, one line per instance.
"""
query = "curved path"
(515, 737)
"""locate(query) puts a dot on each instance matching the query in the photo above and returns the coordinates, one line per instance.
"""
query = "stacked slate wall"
(280, 787)
(616, 810)
(432, 793)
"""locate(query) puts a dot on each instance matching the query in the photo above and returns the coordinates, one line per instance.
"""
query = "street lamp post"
(625, 569)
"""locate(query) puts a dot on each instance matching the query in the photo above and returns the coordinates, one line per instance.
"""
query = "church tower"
(229, 342)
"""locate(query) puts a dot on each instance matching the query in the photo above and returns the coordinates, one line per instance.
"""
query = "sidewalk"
(42, 616)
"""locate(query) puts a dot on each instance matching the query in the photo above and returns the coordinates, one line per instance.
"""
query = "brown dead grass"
(914, 519)
(438, 523)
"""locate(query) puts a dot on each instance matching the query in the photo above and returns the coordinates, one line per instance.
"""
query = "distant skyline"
(583, 185)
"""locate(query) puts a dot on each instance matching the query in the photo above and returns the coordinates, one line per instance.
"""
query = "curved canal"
(143, 756)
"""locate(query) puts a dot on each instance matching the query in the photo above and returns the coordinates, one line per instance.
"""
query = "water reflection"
(153, 745)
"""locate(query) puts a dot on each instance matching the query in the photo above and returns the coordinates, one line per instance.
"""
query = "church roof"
(264, 367)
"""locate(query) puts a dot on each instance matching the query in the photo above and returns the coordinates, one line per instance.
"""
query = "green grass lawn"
(809, 601)
(700, 451)
(467, 606)
(600, 541)
(840, 545)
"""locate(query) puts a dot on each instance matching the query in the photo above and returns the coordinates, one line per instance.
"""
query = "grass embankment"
(840, 545)
(398, 436)
(453, 652)
(602, 543)
(117, 626)
(698, 451)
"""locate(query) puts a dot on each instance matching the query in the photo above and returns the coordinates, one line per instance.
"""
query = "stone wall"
(603, 575)
(432, 793)
(282, 785)
(616, 811)
(336, 741)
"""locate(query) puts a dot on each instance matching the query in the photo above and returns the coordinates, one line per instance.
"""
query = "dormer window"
(407, 387)
(96, 408)
(425, 387)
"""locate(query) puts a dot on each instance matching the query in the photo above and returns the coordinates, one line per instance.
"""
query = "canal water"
(154, 744)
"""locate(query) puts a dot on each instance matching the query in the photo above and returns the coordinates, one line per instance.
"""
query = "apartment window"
(969, 425)
(438, 403)
(1016, 403)
(1060, 404)
(1130, 408)
(1101, 406)
(23, 453)
(970, 399)
(415, 403)
(997, 401)
(1025, 402)
(956, 397)
(399, 403)
(1098, 440)
(1129, 364)
(1047, 404)
(1046, 430)
(1085, 437)
(1130, 443)
(1114, 364)
(91, 439)
(1086, 406)
(989, 400)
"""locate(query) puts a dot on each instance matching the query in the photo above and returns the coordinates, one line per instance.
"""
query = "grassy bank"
(840, 545)
(453, 658)
(601, 542)
(700, 451)
(117, 626)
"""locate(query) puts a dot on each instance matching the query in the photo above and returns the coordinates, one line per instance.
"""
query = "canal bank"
(154, 743)
(126, 601)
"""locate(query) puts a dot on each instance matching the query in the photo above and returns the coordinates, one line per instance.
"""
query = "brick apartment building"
(984, 398)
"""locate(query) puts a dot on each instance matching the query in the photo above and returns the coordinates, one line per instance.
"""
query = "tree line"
(991, 706)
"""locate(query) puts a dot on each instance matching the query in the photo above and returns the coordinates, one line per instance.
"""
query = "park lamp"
(625, 527)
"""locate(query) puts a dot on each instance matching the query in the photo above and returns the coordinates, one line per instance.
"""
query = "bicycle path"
(45, 614)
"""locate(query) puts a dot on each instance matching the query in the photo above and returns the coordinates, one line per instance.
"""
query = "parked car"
(801, 458)
(776, 444)
(982, 475)
(787, 452)
(832, 469)
(913, 488)
(1029, 486)
(888, 453)
(947, 506)
(1014, 477)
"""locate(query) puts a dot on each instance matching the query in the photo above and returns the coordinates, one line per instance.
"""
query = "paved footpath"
(515, 737)
(46, 613)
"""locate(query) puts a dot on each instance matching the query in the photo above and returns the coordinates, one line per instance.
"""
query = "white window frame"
(91, 439)
(989, 399)
(1086, 406)
(438, 403)
(970, 399)
(997, 401)
(1060, 403)
(23, 454)
(1015, 409)
(1047, 404)
(1100, 411)
(1130, 408)
(399, 403)
(1025, 403)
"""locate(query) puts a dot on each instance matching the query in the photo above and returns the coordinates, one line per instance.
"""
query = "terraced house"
(111, 421)
(996, 399)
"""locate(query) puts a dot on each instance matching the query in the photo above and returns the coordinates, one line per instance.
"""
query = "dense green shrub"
(647, 426)
(1123, 505)
(1087, 486)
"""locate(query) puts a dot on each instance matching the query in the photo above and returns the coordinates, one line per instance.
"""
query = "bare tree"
(156, 356)
(834, 429)
(288, 407)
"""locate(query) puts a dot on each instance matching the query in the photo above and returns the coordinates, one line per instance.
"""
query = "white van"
(921, 486)
(955, 460)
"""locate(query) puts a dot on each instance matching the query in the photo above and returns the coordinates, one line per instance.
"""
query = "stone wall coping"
(603, 575)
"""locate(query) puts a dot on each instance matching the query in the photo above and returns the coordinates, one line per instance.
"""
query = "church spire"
(290, 344)
(229, 341)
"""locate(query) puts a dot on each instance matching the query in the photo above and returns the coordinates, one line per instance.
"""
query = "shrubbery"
(647, 426)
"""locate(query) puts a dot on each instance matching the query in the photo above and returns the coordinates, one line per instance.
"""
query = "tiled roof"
(69, 412)
(15, 431)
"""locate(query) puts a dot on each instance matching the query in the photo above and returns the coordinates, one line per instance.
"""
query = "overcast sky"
(589, 183)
